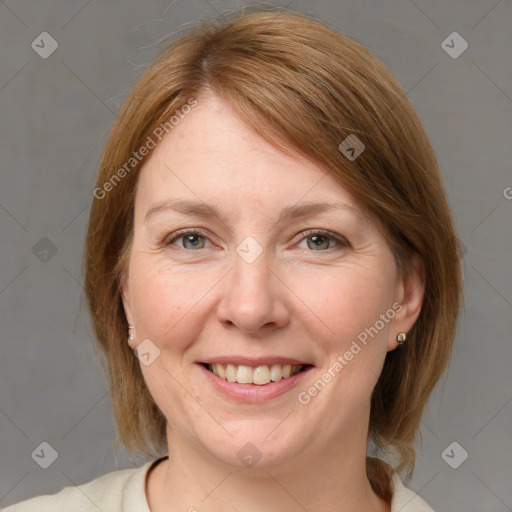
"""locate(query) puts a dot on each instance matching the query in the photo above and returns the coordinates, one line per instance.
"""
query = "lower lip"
(253, 393)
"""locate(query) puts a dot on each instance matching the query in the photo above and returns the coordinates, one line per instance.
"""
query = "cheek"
(343, 303)
(352, 349)
(163, 303)
(169, 303)
(159, 300)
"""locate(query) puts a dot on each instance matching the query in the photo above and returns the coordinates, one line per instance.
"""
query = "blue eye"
(320, 237)
(320, 240)
(189, 237)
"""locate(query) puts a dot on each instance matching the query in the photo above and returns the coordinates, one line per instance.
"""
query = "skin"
(298, 299)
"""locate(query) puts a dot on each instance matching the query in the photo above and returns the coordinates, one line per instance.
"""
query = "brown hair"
(301, 85)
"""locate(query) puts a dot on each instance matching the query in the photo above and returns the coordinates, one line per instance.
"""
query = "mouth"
(259, 375)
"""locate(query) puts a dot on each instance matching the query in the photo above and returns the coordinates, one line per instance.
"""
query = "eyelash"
(342, 242)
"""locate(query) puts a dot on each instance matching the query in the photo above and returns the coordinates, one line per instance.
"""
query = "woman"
(273, 274)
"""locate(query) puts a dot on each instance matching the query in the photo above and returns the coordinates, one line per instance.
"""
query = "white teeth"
(221, 370)
(276, 372)
(230, 372)
(259, 375)
(244, 374)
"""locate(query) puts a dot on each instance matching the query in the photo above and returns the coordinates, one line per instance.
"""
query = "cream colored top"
(124, 491)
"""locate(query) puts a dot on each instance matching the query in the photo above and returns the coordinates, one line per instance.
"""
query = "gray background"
(54, 116)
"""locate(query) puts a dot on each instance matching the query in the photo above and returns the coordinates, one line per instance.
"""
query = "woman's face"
(262, 284)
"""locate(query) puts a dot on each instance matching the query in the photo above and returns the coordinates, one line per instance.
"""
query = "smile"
(252, 382)
(259, 375)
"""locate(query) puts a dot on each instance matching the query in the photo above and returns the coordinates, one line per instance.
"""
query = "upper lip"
(252, 361)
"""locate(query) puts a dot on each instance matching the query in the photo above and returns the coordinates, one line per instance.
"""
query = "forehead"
(211, 156)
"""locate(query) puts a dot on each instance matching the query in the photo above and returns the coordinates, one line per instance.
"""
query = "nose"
(253, 297)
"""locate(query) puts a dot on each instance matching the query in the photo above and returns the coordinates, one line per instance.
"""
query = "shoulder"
(118, 491)
(405, 500)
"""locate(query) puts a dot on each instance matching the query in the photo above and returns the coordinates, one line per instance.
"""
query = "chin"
(255, 444)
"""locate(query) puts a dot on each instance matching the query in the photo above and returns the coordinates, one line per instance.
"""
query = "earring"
(402, 336)
(130, 336)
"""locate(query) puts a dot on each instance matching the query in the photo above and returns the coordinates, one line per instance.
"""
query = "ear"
(409, 294)
(125, 295)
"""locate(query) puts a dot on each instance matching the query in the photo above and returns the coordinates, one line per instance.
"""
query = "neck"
(331, 480)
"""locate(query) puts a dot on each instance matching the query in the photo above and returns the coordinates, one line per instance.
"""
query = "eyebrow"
(200, 209)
